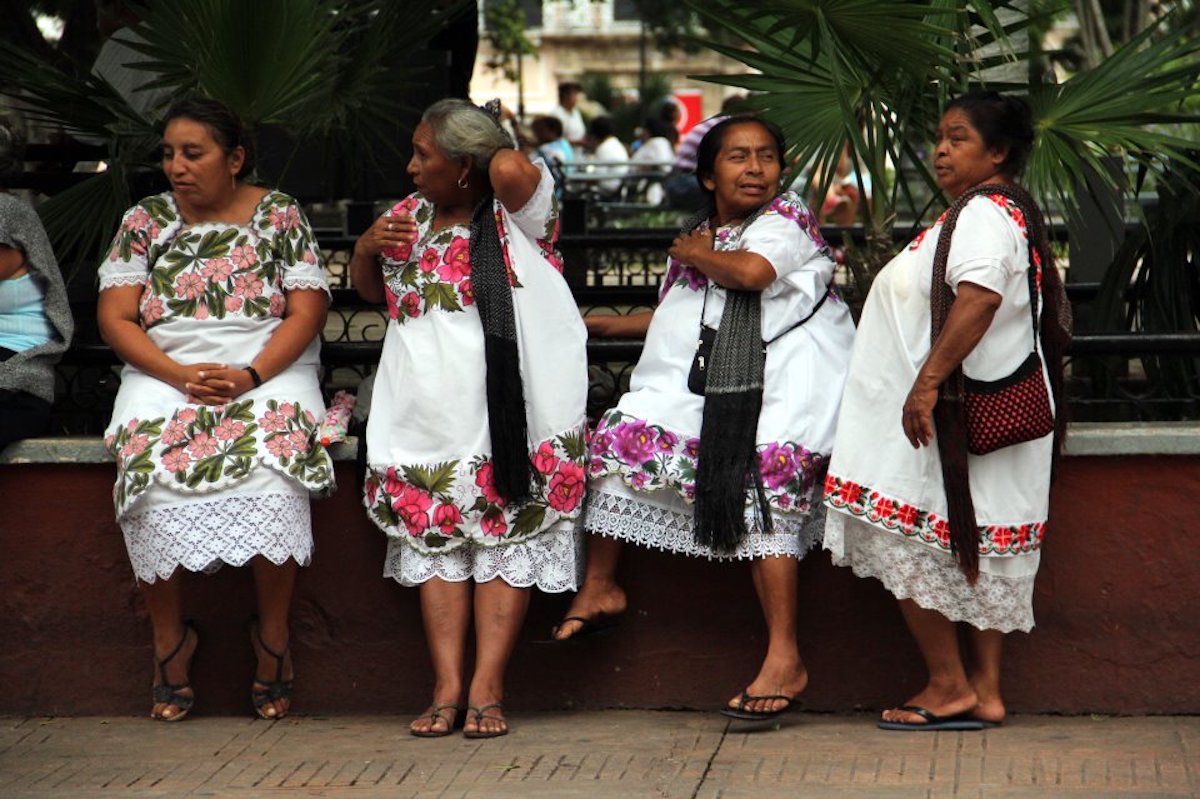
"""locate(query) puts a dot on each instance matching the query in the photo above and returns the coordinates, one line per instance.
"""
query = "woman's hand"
(386, 232)
(917, 416)
(216, 383)
(692, 246)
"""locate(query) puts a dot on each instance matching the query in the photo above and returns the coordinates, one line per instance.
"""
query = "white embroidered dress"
(198, 486)
(643, 453)
(429, 483)
(887, 504)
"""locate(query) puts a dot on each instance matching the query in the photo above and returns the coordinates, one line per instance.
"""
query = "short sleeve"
(303, 266)
(789, 237)
(538, 218)
(985, 247)
(128, 262)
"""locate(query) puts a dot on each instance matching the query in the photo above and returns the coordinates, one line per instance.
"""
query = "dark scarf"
(949, 415)
(512, 470)
(727, 462)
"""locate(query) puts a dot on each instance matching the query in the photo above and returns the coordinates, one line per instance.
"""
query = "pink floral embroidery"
(233, 303)
(174, 433)
(202, 446)
(493, 524)
(218, 270)
(176, 460)
(280, 446)
(483, 479)
(277, 305)
(152, 311)
(429, 260)
(566, 487)
(412, 504)
(189, 285)
(228, 430)
(447, 518)
(300, 440)
(244, 256)
(544, 459)
(248, 285)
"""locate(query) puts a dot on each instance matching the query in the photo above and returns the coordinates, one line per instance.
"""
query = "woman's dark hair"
(1004, 121)
(660, 127)
(225, 127)
(710, 145)
(601, 128)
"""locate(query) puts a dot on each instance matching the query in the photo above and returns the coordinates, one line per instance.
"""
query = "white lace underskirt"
(1001, 599)
(267, 514)
(550, 560)
(662, 519)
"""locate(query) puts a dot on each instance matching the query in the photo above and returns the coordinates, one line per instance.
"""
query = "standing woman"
(475, 442)
(955, 537)
(727, 467)
(214, 295)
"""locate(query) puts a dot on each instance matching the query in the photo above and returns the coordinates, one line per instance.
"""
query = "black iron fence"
(1111, 377)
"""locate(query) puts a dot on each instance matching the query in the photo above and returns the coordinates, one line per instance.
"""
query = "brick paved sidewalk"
(625, 754)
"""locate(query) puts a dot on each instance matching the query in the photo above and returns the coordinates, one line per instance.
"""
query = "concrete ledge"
(1083, 439)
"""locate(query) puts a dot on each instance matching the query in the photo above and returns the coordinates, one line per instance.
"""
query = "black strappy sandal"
(270, 690)
(478, 714)
(168, 693)
(437, 713)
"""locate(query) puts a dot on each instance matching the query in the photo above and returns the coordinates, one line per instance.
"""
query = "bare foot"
(268, 672)
(938, 700)
(175, 671)
(595, 601)
(991, 705)
(485, 719)
(782, 679)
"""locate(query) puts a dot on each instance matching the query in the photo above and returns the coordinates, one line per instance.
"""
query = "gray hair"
(460, 128)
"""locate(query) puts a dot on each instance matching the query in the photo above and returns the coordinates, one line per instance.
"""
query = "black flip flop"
(960, 722)
(600, 624)
(743, 713)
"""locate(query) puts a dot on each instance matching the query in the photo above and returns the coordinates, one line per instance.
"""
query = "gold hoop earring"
(463, 183)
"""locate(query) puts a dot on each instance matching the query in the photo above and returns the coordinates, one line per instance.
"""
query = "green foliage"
(331, 73)
(874, 74)
(505, 25)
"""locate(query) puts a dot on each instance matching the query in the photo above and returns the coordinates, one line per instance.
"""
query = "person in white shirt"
(608, 151)
(567, 110)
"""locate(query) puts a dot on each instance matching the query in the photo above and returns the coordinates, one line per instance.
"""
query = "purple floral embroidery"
(651, 458)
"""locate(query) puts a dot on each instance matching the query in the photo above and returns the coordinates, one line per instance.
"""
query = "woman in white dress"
(214, 295)
(901, 511)
(728, 469)
(476, 437)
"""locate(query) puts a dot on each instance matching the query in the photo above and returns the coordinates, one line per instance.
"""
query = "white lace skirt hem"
(201, 533)
(1001, 599)
(550, 561)
(663, 520)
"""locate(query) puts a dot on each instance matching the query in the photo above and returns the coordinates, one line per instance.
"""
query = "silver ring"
(390, 228)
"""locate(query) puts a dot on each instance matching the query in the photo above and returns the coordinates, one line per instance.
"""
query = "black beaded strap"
(258, 381)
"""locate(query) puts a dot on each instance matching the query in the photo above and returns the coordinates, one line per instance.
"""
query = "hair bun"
(492, 108)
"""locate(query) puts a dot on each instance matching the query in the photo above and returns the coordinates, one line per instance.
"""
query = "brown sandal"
(478, 714)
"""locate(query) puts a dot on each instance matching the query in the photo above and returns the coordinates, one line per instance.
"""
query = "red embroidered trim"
(911, 521)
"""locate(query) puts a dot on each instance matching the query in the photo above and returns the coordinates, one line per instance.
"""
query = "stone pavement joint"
(625, 754)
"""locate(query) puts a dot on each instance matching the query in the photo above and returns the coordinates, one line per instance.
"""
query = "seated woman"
(214, 295)
(954, 536)
(476, 437)
(726, 466)
(35, 322)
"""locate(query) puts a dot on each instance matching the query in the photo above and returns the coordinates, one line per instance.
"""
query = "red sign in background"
(691, 109)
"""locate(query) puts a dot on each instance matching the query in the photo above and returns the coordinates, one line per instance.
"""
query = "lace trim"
(129, 279)
(640, 522)
(548, 561)
(203, 536)
(306, 283)
(910, 570)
